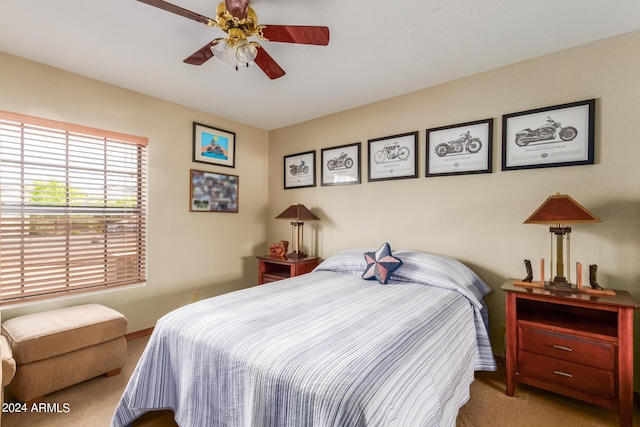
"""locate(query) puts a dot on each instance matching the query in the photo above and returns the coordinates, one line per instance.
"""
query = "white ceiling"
(378, 48)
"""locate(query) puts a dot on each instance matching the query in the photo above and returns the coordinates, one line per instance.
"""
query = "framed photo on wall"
(460, 149)
(214, 146)
(561, 135)
(300, 170)
(341, 165)
(393, 157)
(213, 192)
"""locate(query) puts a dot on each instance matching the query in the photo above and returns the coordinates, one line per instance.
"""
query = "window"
(72, 209)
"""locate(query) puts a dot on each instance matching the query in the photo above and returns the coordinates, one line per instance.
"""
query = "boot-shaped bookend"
(593, 277)
(527, 265)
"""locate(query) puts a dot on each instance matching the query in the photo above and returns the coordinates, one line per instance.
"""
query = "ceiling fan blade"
(161, 4)
(297, 34)
(237, 8)
(202, 55)
(268, 65)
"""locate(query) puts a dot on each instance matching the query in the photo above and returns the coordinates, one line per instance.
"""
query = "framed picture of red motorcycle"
(393, 157)
(561, 135)
(214, 146)
(460, 149)
(340, 165)
(300, 170)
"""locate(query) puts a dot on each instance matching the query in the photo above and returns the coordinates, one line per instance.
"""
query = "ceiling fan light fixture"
(236, 52)
(245, 52)
(224, 52)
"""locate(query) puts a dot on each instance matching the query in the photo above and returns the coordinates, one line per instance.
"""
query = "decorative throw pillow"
(380, 264)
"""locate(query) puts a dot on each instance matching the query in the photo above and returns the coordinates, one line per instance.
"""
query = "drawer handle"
(561, 347)
(564, 374)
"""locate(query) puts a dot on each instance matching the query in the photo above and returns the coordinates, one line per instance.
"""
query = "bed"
(327, 348)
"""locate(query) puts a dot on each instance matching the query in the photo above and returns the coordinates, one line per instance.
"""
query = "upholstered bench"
(58, 348)
(8, 365)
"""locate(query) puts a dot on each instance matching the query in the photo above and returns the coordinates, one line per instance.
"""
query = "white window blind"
(73, 208)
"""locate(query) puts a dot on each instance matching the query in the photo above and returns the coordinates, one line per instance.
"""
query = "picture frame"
(340, 165)
(213, 192)
(393, 157)
(214, 146)
(300, 170)
(560, 135)
(461, 149)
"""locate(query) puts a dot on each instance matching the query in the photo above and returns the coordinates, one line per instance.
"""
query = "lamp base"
(558, 285)
(297, 254)
(560, 282)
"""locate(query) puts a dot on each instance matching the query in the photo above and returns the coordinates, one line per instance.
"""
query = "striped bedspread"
(323, 349)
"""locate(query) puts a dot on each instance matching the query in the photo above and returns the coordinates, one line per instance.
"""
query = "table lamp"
(297, 213)
(560, 210)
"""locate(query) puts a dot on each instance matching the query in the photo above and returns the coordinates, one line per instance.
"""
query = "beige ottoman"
(58, 348)
(8, 365)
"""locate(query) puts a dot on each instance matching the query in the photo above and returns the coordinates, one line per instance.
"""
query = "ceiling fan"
(239, 21)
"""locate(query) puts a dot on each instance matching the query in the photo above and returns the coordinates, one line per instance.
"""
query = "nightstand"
(271, 268)
(576, 344)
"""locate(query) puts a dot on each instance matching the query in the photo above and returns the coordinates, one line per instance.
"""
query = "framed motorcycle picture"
(460, 149)
(340, 165)
(561, 135)
(300, 170)
(393, 157)
(214, 146)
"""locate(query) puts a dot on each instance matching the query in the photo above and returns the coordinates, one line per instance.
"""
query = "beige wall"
(210, 253)
(478, 218)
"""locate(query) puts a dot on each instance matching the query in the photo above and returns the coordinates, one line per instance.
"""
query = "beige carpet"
(529, 407)
(92, 404)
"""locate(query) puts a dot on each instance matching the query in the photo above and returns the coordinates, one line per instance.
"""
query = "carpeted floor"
(92, 403)
(529, 407)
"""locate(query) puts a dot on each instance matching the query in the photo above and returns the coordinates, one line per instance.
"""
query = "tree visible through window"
(73, 208)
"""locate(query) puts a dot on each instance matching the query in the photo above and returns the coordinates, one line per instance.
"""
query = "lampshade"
(224, 52)
(245, 52)
(561, 209)
(297, 212)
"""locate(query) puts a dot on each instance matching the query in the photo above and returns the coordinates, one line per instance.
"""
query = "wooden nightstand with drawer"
(576, 344)
(271, 269)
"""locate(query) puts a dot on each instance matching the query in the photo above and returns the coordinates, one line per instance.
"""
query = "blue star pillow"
(380, 264)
